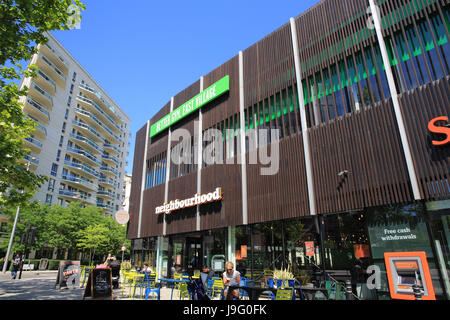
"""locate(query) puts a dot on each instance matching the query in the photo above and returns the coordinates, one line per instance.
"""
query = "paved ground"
(41, 286)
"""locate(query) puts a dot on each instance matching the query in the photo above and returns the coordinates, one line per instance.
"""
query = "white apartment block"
(81, 142)
(126, 193)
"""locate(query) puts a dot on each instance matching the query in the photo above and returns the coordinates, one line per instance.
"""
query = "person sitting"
(231, 278)
(115, 271)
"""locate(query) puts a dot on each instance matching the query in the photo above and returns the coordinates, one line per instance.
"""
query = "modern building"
(354, 167)
(81, 139)
(126, 192)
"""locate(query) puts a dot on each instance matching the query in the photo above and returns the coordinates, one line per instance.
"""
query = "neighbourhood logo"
(197, 199)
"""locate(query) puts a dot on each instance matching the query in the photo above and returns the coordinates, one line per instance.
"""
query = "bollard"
(417, 292)
(348, 290)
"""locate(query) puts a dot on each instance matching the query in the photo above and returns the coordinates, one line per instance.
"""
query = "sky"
(143, 52)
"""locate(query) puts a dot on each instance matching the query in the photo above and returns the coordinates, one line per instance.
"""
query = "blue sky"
(142, 52)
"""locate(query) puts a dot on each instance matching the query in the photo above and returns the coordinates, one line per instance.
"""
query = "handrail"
(38, 106)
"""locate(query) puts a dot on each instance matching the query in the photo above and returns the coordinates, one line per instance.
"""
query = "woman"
(231, 278)
(15, 266)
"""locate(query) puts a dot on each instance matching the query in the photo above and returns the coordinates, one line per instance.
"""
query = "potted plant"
(283, 276)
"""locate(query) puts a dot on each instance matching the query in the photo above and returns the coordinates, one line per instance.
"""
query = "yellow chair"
(127, 280)
(284, 294)
(183, 291)
(217, 287)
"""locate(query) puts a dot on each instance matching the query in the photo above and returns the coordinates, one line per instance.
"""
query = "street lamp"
(14, 226)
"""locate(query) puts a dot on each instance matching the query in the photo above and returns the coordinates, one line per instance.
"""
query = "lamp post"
(14, 228)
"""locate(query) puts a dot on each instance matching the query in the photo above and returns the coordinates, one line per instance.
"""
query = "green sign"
(204, 97)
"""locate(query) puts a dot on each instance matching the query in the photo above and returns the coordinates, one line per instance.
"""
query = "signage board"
(99, 285)
(442, 130)
(213, 92)
(197, 199)
(68, 274)
(309, 246)
(122, 217)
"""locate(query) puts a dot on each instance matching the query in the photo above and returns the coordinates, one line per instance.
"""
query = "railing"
(38, 106)
(42, 91)
(105, 206)
(51, 65)
(105, 193)
(109, 170)
(98, 95)
(47, 78)
(76, 195)
(40, 126)
(86, 140)
(83, 167)
(97, 106)
(85, 126)
(82, 181)
(84, 153)
(56, 53)
(107, 181)
(34, 141)
(107, 145)
(93, 117)
(32, 159)
(110, 158)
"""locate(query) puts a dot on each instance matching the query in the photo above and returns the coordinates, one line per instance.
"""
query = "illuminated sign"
(440, 129)
(197, 199)
(213, 92)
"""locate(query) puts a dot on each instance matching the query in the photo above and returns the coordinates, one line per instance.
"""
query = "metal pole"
(13, 229)
(348, 290)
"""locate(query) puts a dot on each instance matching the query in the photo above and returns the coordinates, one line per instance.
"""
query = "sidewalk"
(40, 285)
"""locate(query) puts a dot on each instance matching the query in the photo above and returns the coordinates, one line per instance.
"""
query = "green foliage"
(67, 228)
(23, 24)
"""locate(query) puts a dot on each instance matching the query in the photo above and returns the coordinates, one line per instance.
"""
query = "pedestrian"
(231, 278)
(15, 266)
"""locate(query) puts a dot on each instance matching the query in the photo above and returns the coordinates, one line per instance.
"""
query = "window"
(58, 154)
(74, 76)
(61, 140)
(51, 185)
(54, 170)
(63, 130)
(69, 100)
(48, 199)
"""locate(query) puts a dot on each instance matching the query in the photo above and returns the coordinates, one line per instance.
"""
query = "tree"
(94, 237)
(23, 24)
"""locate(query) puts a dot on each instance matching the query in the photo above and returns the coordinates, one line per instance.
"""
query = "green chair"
(284, 294)
(183, 291)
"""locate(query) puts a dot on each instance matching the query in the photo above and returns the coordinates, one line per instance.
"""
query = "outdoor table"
(254, 292)
(173, 281)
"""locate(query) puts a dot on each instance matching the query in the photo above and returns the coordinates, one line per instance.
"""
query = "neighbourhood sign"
(213, 92)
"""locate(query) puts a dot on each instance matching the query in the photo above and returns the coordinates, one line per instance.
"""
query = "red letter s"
(442, 130)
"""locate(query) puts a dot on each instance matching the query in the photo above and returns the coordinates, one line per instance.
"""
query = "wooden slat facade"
(352, 127)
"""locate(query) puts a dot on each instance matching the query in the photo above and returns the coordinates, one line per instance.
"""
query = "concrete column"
(166, 189)
(199, 156)
(305, 135)
(395, 101)
(242, 137)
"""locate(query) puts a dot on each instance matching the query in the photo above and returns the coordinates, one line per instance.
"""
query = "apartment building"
(81, 140)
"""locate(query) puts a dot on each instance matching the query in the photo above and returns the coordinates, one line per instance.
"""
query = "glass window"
(372, 71)
(337, 90)
(353, 81)
(418, 59)
(431, 53)
(362, 74)
(441, 38)
(328, 92)
(405, 61)
(382, 70)
(54, 170)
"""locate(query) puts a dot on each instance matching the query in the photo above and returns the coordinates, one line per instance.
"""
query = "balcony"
(110, 160)
(82, 169)
(76, 196)
(40, 95)
(79, 182)
(109, 170)
(86, 129)
(84, 156)
(93, 120)
(45, 82)
(105, 206)
(51, 69)
(54, 56)
(86, 143)
(34, 144)
(113, 148)
(41, 131)
(32, 159)
(109, 112)
(107, 182)
(36, 110)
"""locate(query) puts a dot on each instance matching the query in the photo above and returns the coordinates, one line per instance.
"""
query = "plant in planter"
(282, 276)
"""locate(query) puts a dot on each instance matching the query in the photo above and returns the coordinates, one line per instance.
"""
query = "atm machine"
(404, 270)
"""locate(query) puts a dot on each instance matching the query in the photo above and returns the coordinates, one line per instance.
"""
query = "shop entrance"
(194, 252)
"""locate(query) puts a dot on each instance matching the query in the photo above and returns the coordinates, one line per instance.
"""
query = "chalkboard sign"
(99, 285)
(43, 263)
(68, 274)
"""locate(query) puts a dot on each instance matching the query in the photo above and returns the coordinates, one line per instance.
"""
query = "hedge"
(52, 264)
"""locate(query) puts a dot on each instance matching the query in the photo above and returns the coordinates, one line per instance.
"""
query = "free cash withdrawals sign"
(204, 97)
